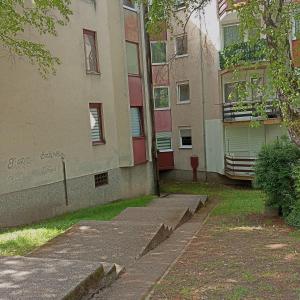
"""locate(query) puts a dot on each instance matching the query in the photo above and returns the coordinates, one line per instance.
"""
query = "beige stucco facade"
(44, 123)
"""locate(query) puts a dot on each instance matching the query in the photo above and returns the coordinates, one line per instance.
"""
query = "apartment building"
(195, 101)
(82, 137)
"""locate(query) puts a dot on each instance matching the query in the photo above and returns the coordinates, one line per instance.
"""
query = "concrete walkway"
(143, 240)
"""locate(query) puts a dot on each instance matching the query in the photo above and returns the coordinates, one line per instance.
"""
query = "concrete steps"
(74, 265)
(171, 217)
(119, 242)
(193, 202)
(44, 278)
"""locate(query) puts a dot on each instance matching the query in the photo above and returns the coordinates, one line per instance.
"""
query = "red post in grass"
(195, 165)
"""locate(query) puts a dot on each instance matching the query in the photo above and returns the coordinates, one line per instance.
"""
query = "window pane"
(179, 4)
(181, 45)
(95, 120)
(132, 58)
(297, 27)
(231, 35)
(186, 137)
(234, 91)
(256, 88)
(184, 92)
(90, 51)
(128, 3)
(136, 122)
(158, 52)
(161, 97)
(164, 141)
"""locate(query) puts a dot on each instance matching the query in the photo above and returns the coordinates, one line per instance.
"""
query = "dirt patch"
(250, 257)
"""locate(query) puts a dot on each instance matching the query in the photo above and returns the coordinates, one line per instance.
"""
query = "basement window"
(101, 179)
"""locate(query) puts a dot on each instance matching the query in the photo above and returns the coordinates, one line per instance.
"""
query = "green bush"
(294, 217)
(274, 174)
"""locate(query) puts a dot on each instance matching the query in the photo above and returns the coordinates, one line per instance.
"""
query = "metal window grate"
(101, 179)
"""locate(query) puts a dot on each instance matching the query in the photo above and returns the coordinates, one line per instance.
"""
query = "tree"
(271, 19)
(41, 16)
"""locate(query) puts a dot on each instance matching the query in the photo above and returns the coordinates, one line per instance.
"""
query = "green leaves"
(42, 16)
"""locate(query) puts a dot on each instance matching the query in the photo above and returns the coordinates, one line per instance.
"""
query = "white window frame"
(180, 137)
(175, 45)
(162, 63)
(162, 108)
(178, 8)
(178, 84)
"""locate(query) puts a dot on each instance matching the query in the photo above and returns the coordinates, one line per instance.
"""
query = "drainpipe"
(203, 98)
(151, 102)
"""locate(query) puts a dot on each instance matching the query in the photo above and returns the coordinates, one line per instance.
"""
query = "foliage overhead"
(18, 17)
(267, 20)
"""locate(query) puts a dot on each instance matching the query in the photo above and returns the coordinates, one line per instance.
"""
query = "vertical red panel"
(139, 150)
(160, 74)
(296, 53)
(131, 26)
(163, 121)
(135, 91)
(166, 161)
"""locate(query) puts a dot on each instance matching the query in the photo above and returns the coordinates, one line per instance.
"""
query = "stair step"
(171, 217)
(119, 242)
(44, 278)
(193, 202)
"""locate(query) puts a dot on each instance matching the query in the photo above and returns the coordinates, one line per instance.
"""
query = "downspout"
(203, 98)
(151, 102)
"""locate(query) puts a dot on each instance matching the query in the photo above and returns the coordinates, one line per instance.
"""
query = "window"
(128, 3)
(136, 122)
(159, 52)
(101, 179)
(133, 65)
(161, 97)
(179, 4)
(181, 46)
(185, 135)
(164, 141)
(233, 91)
(96, 120)
(183, 92)
(256, 88)
(91, 54)
(231, 35)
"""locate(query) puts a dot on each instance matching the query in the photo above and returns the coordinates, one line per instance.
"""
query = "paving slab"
(193, 202)
(171, 217)
(139, 279)
(113, 241)
(35, 279)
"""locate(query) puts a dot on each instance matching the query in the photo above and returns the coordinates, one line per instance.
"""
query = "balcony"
(234, 112)
(242, 52)
(239, 167)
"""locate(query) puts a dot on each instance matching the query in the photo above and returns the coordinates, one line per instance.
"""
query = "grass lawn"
(19, 241)
(239, 254)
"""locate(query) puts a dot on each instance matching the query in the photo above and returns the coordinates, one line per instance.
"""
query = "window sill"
(165, 151)
(93, 73)
(160, 64)
(138, 137)
(162, 109)
(130, 8)
(186, 147)
(184, 102)
(181, 56)
(98, 143)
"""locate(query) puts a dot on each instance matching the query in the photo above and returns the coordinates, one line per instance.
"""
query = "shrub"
(294, 217)
(274, 174)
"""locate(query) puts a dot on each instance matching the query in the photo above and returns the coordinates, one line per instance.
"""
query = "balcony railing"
(248, 111)
(241, 53)
(239, 167)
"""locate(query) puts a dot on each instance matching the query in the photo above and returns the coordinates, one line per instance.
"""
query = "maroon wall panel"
(139, 150)
(160, 74)
(165, 161)
(163, 121)
(135, 91)
(131, 26)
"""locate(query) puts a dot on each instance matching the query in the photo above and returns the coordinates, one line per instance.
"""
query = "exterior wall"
(44, 123)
